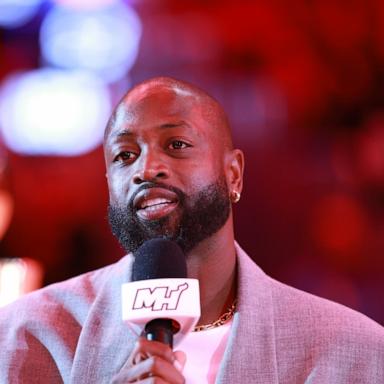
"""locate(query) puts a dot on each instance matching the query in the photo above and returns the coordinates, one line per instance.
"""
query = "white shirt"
(204, 350)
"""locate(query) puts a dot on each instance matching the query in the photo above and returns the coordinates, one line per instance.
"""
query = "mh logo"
(159, 298)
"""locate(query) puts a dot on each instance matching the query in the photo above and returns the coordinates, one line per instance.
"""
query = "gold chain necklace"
(220, 321)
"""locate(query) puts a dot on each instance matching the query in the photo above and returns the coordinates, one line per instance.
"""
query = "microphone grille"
(159, 259)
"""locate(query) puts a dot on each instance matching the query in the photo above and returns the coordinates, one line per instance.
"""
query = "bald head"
(198, 99)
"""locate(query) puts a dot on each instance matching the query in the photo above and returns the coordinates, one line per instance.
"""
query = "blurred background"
(303, 85)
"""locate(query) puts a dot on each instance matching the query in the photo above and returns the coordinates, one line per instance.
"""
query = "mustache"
(149, 184)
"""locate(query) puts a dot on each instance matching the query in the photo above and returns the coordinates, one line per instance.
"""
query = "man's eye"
(125, 156)
(178, 144)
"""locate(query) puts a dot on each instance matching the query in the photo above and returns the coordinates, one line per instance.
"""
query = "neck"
(213, 263)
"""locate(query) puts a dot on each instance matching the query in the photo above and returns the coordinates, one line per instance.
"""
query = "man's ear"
(235, 171)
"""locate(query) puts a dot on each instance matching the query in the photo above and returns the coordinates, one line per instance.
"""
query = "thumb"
(180, 361)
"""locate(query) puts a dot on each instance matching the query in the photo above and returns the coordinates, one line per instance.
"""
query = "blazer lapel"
(250, 354)
(105, 342)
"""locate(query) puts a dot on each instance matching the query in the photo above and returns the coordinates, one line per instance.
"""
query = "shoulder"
(327, 318)
(40, 331)
(324, 338)
(293, 308)
(73, 296)
(314, 337)
(57, 307)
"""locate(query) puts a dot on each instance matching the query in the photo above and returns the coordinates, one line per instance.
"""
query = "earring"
(235, 196)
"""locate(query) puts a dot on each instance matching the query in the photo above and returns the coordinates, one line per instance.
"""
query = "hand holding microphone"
(162, 304)
(150, 362)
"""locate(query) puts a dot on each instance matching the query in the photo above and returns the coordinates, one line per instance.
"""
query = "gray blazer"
(72, 332)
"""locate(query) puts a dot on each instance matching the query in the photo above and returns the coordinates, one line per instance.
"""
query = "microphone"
(158, 259)
(161, 301)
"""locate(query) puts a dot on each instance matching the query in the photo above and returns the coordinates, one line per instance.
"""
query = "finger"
(181, 359)
(159, 368)
(145, 348)
(153, 380)
(153, 368)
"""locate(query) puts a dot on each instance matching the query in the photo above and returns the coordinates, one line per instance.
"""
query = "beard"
(200, 216)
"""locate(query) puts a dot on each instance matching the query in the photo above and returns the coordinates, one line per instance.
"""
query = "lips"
(155, 203)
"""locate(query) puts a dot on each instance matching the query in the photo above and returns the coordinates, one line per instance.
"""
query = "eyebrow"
(174, 125)
(128, 133)
(121, 133)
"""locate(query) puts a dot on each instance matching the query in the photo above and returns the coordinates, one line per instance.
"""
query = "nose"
(150, 167)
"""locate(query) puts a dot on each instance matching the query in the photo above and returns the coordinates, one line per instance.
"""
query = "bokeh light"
(6, 209)
(53, 112)
(17, 277)
(85, 4)
(15, 13)
(104, 40)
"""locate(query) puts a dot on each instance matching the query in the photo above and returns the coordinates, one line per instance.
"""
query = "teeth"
(152, 202)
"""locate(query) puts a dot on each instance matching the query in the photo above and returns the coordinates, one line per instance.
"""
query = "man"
(172, 172)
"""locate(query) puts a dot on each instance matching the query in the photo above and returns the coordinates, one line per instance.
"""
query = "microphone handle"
(160, 330)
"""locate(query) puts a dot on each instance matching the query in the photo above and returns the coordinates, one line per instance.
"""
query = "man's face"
(165, 172)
